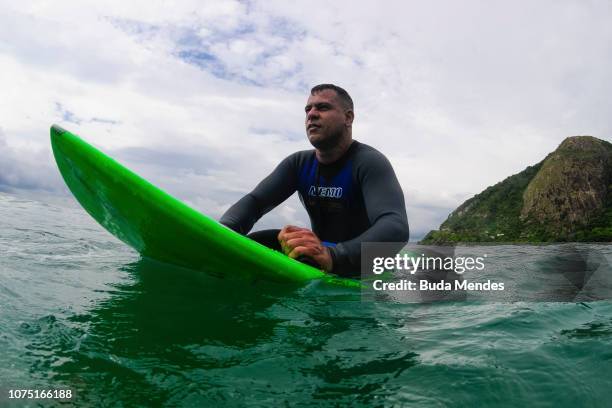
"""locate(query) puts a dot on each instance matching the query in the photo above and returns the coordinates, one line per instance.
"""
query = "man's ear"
(349, 115)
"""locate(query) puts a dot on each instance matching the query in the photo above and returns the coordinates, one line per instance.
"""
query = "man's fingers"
(288, 229)
(297, 234)
(301, 250)
(283, 239)
(291, 228)
(296, 242)
(289, 245)
(302, 241)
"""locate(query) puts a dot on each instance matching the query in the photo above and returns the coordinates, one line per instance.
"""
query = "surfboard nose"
(57, 129)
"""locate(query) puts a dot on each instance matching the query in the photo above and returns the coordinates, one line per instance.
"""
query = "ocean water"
(79, 310)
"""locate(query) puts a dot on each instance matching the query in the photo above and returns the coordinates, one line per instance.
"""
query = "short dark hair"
(344, 97)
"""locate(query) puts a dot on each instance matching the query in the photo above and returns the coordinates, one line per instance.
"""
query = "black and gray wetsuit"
(355, 199)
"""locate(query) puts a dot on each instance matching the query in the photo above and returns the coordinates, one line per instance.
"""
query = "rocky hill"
(565, 197)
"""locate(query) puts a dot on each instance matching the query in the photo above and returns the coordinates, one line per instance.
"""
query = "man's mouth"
(312, 126)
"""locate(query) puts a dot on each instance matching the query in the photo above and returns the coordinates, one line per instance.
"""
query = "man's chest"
(331, 188)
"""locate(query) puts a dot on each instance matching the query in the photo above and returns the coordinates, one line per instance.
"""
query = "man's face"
(326, 119)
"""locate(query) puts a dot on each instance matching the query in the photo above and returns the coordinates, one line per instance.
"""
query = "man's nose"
(313, 113)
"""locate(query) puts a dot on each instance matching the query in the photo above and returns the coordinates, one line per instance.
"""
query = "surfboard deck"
(163, 228)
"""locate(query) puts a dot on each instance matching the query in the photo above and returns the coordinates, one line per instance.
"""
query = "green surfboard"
(163, 228)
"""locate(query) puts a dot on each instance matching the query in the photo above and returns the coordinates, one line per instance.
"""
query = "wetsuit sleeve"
(385, 207)
(270, 192)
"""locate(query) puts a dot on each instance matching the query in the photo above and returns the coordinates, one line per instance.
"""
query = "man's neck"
(331, 155)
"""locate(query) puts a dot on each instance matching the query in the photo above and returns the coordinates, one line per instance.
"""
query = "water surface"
(80, 310)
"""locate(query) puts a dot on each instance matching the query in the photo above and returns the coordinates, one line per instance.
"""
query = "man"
(348, 188)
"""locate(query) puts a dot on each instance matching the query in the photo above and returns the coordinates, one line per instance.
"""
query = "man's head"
(329, 116)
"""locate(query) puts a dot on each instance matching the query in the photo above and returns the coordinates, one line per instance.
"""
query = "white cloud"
(458, 95)
(27, 168)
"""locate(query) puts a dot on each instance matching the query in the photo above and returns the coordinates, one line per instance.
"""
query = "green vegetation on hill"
(565, 197)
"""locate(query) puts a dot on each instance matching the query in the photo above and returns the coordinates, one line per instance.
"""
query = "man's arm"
(384, 203)
(270, 192)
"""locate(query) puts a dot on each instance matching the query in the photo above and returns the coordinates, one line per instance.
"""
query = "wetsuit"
(352, 200)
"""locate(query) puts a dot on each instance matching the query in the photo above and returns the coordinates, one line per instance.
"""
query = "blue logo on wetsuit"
(339, 186)
(330, 192)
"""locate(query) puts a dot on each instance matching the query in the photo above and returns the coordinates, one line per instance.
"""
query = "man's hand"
(297, 242)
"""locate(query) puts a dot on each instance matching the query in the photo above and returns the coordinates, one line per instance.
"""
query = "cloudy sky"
(204, 98)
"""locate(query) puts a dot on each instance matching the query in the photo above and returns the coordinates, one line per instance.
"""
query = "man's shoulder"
(298, 158)
(303, 154)
(369, 161)
(367, 154)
